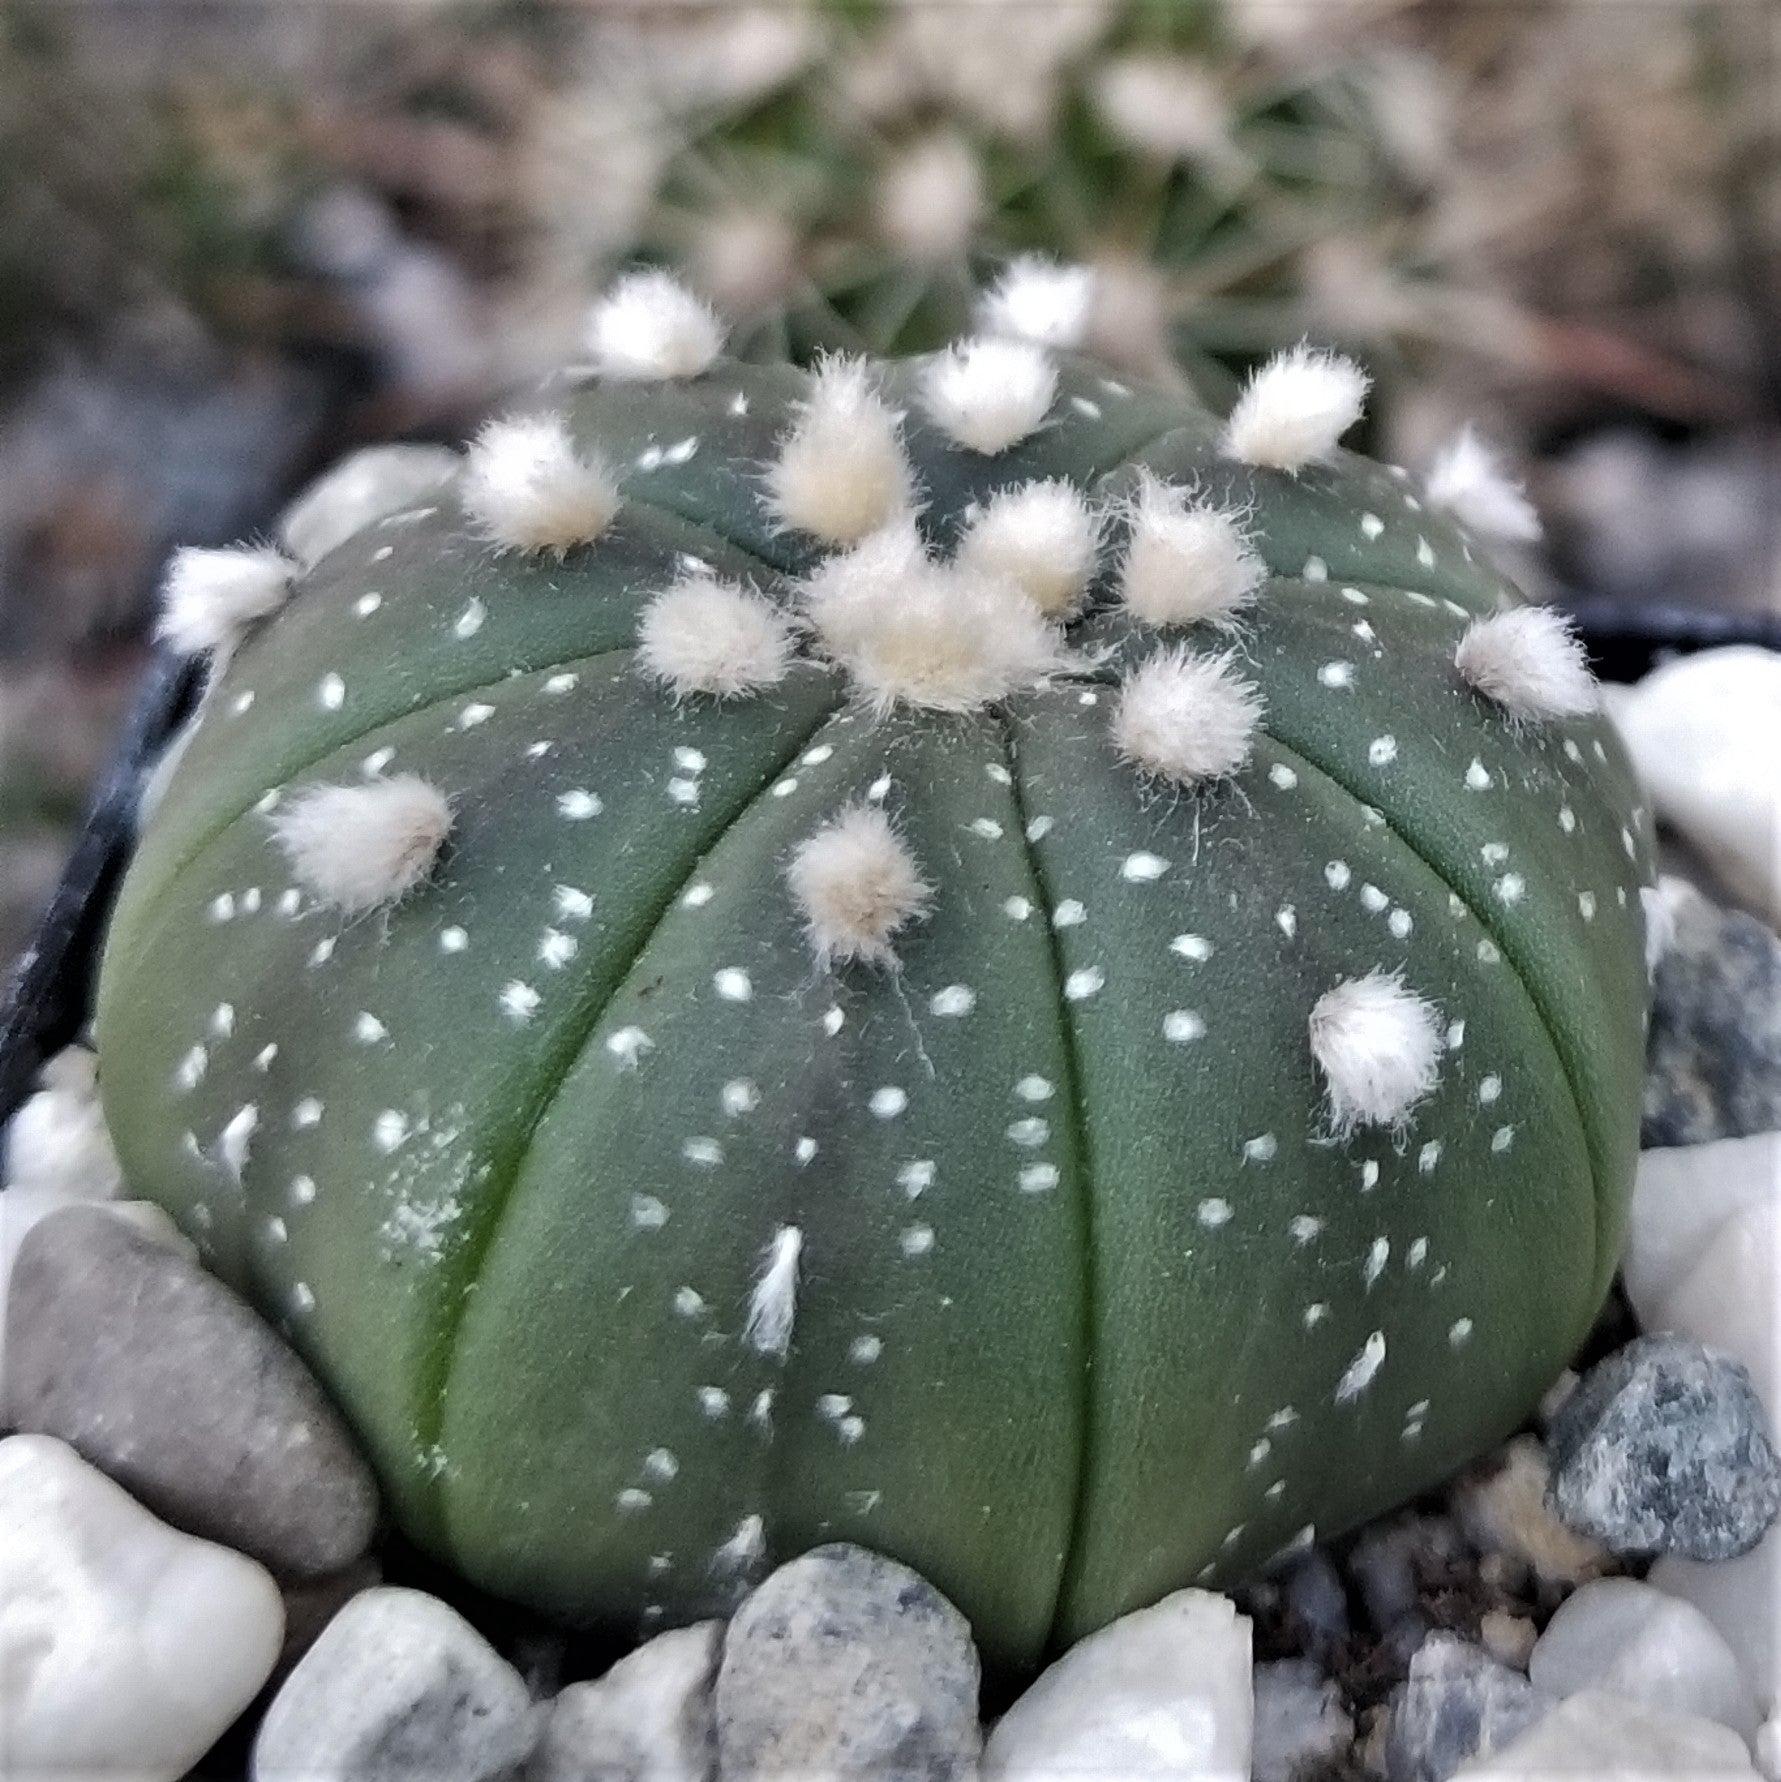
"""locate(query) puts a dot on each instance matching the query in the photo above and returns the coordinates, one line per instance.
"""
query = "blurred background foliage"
(238, 239)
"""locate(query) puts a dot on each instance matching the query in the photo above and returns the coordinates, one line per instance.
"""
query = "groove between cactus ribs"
(433, 1392)
(1085, 1173)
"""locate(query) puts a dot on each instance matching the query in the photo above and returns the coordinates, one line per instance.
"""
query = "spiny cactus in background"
(952, 953)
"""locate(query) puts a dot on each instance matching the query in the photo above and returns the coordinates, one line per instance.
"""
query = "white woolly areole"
(841, 472)
(1379, 1047)
(704, 635)
(1186, 562)
(1468, 481)
(773, 1306)
(58, 1143)
(1036, 299)
(1187, 718)
(855, 883)
(932, 635)
(1043, 537)
(1295, 408)
(1529, 661)
(363, 845)
(650, 326)
(989, 394)
(526, 487)
(210, 597)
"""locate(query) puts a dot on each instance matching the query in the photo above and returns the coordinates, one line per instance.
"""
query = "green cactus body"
(1088, 1300)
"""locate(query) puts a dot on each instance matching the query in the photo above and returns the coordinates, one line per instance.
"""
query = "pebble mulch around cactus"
(899, 1021)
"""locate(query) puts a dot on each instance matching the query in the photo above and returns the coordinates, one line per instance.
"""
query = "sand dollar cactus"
(951, 954)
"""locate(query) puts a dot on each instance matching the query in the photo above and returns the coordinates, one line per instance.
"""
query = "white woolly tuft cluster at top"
(1036, 299)
(1295, 408)
(1379, 1047)
(1529, 661)
(933, 635)
(1043, 537)
(1186, 562)
(989, 394)
(705, 635)
(855, 883)
(1187, 718)
(650, 326)
(526, 488)
(841, 472)
(1468, 481)
(211, 597)
(357, 847)
(773, 1306)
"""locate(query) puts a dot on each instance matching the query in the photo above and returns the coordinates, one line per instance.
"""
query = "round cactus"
(949, 953)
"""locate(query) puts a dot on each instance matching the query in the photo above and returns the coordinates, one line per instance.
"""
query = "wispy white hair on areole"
(841, 472)
(363, 845)
(650, 326)
(1530, 661)
(1295, 408)
(1187, 718)
(932, 635)
(526, 487)
(1379, 1047)
(705, 635)
(1041, 536)
(1036, 299)
(1468, 481)
(1186, 562)
(989, 394)
(210, 597)
(855, 883)
(773, 1306)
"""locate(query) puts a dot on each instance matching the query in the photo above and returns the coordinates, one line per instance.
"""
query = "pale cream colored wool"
(855, 883)
(1529, 661)
(1186, 562)
(210, 597)
(705, 635)
(1187, 718)
(1379, 1047)
(1295, 408)
(527, 488)
(650, 327)
(1043, 537)
(841, 472)
(773, 1306)
(1469, 482)
(989, 394)
(360, 846)
(1039, 300)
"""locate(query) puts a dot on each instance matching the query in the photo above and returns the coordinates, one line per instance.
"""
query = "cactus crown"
(949, 953)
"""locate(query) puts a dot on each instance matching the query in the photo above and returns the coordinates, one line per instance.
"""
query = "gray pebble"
(649, 1719)
(1713, 1065)
(164, 1379)
(1301, 1725)
(845, 1664)
(1664, 1449)
(399, 1688)
(1457, 1703)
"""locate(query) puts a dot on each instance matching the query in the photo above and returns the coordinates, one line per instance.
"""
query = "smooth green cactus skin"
(1028, 1357)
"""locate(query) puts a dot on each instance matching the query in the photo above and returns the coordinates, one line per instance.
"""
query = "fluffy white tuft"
(1379, 1047)
(855, 883)
(933, 635)
(930, 198)
(527, 488)
(841, 472)
(989, 394)
(210, 597)
(1468, 481)
(1036, 299)
(363, 845)
(1529, 661)
(57, 1143)
(1187, 718)
(704, 635)
(1186, 562)
(650, 326)
(1043, 537)
(364, 486)
(1295, 408)
(773, 1306)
